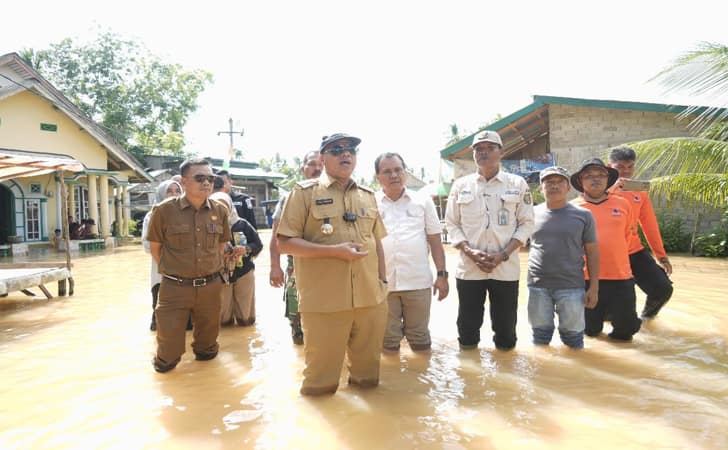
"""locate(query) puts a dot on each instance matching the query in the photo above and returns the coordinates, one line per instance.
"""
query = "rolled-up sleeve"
(295, 212)
(524, 217)
(453, 221)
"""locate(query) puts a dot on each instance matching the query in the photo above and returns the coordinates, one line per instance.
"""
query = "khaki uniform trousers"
(176, 302)
(356, 333)
(238, 300)
(409, 315)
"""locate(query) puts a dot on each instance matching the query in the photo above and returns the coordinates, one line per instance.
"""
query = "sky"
(394, 73)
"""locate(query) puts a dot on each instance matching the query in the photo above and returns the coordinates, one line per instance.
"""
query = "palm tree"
(693, 169)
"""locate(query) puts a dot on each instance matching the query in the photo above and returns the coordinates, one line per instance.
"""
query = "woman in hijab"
(166, 189)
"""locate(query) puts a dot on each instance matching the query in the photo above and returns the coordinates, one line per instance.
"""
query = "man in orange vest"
(652, 278)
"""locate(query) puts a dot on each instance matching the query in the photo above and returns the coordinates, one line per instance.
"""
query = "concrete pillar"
(126, 210)
(70, 188)
(59, 209)
(93, 201)
(105, 230)
(118, 216)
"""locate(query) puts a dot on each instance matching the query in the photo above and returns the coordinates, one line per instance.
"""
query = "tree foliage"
(693, 170)
(141, 101)
(687, 169)
(702, 72)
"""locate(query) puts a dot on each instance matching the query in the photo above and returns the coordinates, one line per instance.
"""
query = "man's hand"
(617, 186)
(240, 250)
(666, 266)
(350, 251)
(276, 277)
(483, 260)
(441, 287)
(591, 297)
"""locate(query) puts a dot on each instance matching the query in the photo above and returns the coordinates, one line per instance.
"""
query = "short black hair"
(219, 183)
(622, 154)
(186, 164)
(387, 155)
(223, 173)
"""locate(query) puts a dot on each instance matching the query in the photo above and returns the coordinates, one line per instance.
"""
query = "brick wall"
(578, 133)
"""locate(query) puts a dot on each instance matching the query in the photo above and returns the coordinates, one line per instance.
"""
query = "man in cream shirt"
(413, 228)
(489, 217)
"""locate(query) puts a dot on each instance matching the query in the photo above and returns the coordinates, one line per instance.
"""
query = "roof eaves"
(617, 104)
(495, 126)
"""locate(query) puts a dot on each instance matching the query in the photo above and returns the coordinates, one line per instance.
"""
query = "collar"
(326, 181)
(500, 176)
(184, 203)
(406, 193)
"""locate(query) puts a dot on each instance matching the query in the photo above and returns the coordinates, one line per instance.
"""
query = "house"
(572, 130)
(566, 131)
(39, 125)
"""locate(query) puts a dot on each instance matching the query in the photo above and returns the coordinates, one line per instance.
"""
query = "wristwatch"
(505, 256)
(442, 273)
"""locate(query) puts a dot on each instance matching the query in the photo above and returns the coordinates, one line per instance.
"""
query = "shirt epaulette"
(305, 184)
(364, 188)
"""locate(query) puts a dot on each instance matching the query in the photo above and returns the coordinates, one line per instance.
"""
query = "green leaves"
(688, 169)
(141, 101)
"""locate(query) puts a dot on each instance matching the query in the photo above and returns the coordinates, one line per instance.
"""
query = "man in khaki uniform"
(187, 236)
(332, 228)
(311, 167)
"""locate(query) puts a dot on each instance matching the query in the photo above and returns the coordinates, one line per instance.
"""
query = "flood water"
(76, 374)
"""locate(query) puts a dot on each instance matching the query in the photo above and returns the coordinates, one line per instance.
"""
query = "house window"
(32, 220)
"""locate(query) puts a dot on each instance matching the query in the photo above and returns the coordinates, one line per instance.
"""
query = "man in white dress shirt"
(413, 228)
(489, 217)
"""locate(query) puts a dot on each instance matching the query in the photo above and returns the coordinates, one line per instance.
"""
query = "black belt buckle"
(199, 282)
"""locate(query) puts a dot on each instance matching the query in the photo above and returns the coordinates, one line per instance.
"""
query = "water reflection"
(77, 374)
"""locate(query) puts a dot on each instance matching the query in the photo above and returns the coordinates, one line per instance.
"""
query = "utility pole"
(230, 132)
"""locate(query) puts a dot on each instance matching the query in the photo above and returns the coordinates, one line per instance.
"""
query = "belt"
(196, 282)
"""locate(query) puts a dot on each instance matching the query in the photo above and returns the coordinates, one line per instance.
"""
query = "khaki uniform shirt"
(331, 284)
(190, 238)
(487, 214)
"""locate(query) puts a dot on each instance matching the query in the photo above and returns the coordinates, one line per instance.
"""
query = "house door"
(7, 214)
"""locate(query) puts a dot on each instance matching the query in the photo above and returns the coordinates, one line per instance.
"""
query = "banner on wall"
(529, 168)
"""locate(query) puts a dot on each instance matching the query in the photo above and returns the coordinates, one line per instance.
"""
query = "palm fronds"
(688, 169)
(701, 72)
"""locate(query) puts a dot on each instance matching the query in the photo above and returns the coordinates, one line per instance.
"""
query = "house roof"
(16, 164)
(521, 127)
(252, 173)
(28, 79)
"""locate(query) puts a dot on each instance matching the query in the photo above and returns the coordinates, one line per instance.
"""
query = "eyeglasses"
(336, 150)
(202, 178)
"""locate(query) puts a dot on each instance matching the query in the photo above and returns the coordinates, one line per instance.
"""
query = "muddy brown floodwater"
(76, 374)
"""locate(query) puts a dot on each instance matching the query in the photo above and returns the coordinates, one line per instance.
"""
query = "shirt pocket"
(510, 202)
(321, 214)
(472, 216)
(415, 211)
(366, 218)
(179, 236)
(213, 235)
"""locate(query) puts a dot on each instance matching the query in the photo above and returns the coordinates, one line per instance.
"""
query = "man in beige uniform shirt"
(489, 217)
(332, 228)
(187, 236)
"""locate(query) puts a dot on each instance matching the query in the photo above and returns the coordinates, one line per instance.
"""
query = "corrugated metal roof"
(15, 164)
